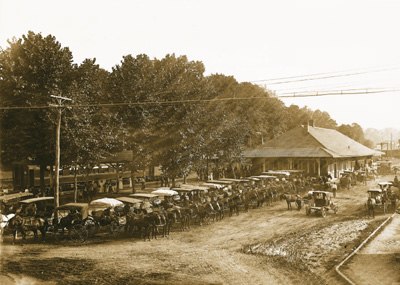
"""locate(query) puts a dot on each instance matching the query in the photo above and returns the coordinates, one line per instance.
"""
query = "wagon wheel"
(79, 233)
(91, 229)
(323, 212)
(114, 229)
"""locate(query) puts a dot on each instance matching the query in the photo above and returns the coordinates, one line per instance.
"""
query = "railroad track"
(337, 268)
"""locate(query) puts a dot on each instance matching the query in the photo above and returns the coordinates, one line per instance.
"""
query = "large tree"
(173, 120)
(355, 132)
(90, 131)
(130, 84)
(31, 69)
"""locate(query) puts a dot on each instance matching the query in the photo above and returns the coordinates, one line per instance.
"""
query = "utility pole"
(59, 106)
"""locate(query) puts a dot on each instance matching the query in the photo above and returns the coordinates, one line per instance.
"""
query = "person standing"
(393, 200)
(348, 177)
(370, 207)
(334, 189)
(396, 181)
(90, 191)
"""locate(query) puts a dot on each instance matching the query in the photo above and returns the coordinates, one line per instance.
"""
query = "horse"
(262, 198)
(187, 215)
(218, 207)
(172, 218)
(133, 222)
(251, 199)
(67, 222)
(203, 214)
(289, 198)
(183, 215)
(23, 224)
(234, 205)
(274, 195)
(268, 197)
(393, 201)
(158, 220)
(345, 181)
(142, 223)
(4, 220)
(211, 212)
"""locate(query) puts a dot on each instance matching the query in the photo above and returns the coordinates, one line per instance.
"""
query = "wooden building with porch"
(316, 151)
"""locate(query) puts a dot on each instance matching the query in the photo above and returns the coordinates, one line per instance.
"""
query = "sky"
(252, 40)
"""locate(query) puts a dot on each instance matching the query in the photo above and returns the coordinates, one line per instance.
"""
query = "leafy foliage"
(31, 69)
(89, 133)
(165, 110)
(355, 132)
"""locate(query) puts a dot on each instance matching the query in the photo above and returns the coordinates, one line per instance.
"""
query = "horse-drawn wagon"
(30, 215)
(131, 202)
(72, 217)
(9, 202)
(105, 216)
(41, 207)
(146, 197)
(198, 188)
(278, 174)
(377, 199)
(385, 185)
(320, 202)
(189, 192)
(237, 182)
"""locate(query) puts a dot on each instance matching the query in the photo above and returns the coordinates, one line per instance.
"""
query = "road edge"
(337, 268)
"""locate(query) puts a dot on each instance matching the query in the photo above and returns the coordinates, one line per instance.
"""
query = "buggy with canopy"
(377, 198)
(320, 202)
(102, 212)
(9, 202)
(74, 218)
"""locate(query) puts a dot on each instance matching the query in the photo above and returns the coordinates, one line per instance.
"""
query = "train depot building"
(316, 151)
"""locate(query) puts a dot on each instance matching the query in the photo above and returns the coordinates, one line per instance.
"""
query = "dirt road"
(269, 245)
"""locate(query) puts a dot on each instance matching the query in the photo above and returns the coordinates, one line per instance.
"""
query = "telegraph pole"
(59, 106)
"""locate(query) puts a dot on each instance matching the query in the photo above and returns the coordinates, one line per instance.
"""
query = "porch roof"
(271, 152)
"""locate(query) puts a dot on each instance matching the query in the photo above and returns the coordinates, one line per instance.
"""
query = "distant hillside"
(384, 135)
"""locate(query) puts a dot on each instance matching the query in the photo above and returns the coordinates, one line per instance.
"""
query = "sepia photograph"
(184, 142)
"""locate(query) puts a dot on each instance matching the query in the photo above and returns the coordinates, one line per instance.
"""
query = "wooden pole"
(57, 162)
(59, 106)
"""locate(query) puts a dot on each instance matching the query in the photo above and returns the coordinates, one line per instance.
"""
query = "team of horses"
(159, 219)
(16, 223)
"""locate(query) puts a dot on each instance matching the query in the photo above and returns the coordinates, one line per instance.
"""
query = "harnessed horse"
(289, 198)
(4, 220)
(24, 224)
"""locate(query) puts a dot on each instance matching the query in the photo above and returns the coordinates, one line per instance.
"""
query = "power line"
(318, 76)
(322, 91)
(139, 103)
(334, 93)
(320, 86)
(172, 102)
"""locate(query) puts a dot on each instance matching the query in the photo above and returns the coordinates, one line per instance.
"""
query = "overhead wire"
(319, 76)
(342, 91)
(334, 93)
(274, 93)
(171, 102)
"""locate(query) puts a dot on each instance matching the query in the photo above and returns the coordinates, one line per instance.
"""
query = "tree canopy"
(31, 69)
(166, 111)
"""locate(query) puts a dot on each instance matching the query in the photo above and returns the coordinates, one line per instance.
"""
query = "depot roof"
(309, 141)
